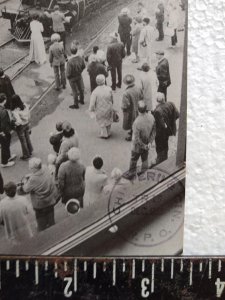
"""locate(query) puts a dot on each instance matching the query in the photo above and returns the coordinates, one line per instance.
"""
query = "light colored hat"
(74, 154)
(66, 126)
(125, 11)
(160, 97)
(35, 163)
(101, 56)
(72, 206)
(92, 58)
(116, 173)
(128, 79)
(100, 79)
(56, 7)
(55, 37)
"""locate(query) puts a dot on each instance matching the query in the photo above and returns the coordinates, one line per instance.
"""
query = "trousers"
(134, 159)
(23, 132)
(162, 146)
(77, 87)
(5, 147)
(127, 41)
(60, 76)
(118, 69)
(45, 218)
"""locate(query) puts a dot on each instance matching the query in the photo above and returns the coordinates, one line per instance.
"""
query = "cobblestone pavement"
(115, 151)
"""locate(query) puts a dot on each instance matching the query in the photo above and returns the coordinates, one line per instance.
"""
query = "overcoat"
(130, 100)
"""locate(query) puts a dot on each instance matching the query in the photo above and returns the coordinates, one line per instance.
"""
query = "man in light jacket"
(43, 193)
(57, 59)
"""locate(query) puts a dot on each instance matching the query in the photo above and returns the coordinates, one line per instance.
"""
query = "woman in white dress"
(37, 46)
(145, 42)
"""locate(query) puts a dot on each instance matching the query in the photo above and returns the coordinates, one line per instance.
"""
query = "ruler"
(47, 278)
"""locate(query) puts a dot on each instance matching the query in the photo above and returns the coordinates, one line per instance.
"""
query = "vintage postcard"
(93, 98)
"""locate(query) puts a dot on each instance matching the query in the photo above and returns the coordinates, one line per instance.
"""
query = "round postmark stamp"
(149, 210)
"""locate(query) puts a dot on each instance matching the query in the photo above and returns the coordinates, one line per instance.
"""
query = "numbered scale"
(112, 278)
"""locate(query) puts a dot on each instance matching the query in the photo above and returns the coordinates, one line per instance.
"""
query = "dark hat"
(160, 52)
(128, 79)
(66, 126)
(59, 126)
(145, 67)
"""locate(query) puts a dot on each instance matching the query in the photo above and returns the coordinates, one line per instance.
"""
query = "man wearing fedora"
(143, 135)
(115, 54)
(124, 29)
(163, 73)
(165, 115)
(132, 95)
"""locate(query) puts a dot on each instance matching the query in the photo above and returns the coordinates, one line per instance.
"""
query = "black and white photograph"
(93, 104)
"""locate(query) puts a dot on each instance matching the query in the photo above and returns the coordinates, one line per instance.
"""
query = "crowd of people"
(148, 118)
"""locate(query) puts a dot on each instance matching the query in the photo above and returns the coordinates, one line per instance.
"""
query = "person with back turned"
(115, 55)
(75, 67)
(143, 135)
(124, 29)
(165, 115)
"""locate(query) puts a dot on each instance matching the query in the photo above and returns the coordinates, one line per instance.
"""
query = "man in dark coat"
(143, 135)
(5, 135)
(115, 55)
(131, 97)
(94, 69)
(124, 29)
(163, 73)
(159, 21)
(6, 88)
(165, 115)
(75, 67)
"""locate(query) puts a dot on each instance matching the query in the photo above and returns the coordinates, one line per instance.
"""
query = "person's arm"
(152, 134)
(123, 53)
(109, 56)
(136, 137)
(50, 56)
(93, 102)
(125, 103)
(68, 70)
(83, 64)
(47, 14)
(61, 179)
(29, 185)
(1, 184)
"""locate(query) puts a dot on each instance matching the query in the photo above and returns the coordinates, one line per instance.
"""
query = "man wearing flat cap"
(163, 73)
(132, 95)
(124, 29)
(115, 54)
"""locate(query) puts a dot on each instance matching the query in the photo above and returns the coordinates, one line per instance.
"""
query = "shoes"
(74, 106)
(13, 156)
(24, 157)
(57, 89)
(118, 85)
(9, 164)
(139, 69)
(158, 40)
(134, 61)
(81, 102)
(64, 87)
(113, 88)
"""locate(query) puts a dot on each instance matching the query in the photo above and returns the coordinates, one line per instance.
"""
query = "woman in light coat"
(145, 41)
(102, 105)
(37, 46)
(136, 31)
(95, 180)
(173, 20)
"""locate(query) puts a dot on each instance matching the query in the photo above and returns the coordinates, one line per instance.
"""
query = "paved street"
(115, 151)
